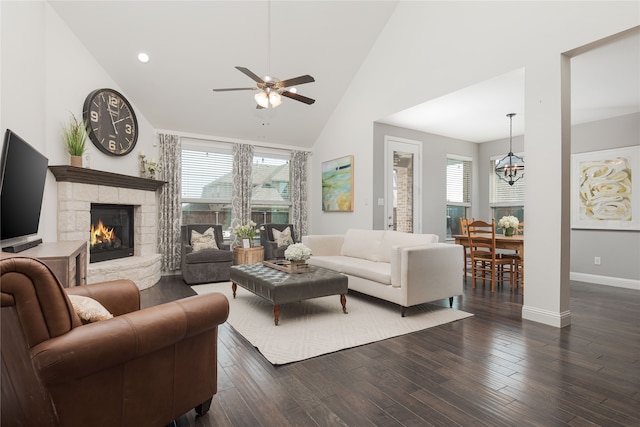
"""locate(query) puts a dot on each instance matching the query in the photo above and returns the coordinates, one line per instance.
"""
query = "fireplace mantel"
(92, 176)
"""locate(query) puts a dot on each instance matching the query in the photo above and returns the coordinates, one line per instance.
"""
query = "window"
(270, 200)
(505, 199)
(207, 184)
(458, 192)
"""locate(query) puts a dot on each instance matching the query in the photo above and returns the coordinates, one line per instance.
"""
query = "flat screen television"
(23, 171)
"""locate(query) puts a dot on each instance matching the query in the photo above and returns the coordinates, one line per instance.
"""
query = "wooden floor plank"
(491, 369)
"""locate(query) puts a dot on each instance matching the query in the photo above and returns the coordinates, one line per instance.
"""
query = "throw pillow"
(282, 238)
(88, 309)
(202, 241)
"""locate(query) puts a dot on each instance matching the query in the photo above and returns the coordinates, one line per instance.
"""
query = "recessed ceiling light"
(143, 57)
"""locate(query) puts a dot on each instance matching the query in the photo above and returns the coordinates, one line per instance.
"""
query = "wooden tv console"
(67, 260)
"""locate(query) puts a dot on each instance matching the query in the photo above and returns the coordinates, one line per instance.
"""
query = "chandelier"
(511, 167)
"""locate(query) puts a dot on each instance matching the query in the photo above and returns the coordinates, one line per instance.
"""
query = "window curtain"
(299, 192)
(170, 201)
(241, 198)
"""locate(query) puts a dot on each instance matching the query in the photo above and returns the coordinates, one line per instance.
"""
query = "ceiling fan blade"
(235, 88)
(297, 97)
(251, 74)
(295, 81)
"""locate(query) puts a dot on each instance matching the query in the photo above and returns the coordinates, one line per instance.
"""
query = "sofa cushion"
(88, 309)
(206, 240)
(331, 262)
(282, 238)
(208, 255)
(393, 238)
(375, 271)
(363, 244)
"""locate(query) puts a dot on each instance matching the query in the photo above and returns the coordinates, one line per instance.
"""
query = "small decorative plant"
(508, 224)
(246, 231)
(297, 252)
(148, 167)
(75, 136)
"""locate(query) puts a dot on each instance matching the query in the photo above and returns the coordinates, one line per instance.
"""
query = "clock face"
(111, 123)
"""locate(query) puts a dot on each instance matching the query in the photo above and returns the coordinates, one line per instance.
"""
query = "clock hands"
(118, 121)
(112, 122)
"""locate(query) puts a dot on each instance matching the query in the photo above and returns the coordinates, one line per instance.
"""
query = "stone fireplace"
(80, 188)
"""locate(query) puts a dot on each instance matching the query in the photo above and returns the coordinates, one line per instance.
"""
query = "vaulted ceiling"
(194, 47)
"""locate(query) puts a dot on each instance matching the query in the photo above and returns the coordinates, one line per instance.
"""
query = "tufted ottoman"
(279, 287)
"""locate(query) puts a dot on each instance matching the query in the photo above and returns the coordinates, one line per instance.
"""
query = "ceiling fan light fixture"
(262, 99)
(275, 99)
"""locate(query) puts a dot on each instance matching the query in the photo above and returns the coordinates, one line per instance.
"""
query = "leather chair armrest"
(118, 296)
(102, 345)
(224, 246)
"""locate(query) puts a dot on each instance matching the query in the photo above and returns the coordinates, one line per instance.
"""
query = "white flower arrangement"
(246, 231)
(297, 252)
(508, 222)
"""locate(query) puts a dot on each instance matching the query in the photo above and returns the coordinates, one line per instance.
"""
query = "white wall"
(435, 149)
(429, 49)
(619, 251)
(47, 74)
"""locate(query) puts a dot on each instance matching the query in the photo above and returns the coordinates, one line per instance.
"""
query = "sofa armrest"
(324, 245)
(117, 296)
(101, 345)
(438, 266)
(186, 249)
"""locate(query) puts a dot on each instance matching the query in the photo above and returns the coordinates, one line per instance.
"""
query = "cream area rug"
(318, 326)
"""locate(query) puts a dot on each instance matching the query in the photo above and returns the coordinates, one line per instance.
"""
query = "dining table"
(514, 243)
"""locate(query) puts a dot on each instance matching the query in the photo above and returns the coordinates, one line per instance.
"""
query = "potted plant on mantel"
(75, 136)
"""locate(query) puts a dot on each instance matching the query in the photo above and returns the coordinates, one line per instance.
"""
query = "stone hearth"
(79, 187)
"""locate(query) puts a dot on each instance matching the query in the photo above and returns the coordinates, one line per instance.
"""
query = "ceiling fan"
(271, 90)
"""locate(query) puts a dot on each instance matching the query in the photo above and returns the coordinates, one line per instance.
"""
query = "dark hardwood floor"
(492, 369)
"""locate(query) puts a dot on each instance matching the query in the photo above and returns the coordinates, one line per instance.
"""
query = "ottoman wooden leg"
(276, 313)
(343, 301)
(233, 288)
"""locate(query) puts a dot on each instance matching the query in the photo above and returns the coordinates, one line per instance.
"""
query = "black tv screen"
(23, 171)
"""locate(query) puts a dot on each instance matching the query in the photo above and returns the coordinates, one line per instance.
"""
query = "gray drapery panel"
(241, 198)
(170, 201)
(299, 192)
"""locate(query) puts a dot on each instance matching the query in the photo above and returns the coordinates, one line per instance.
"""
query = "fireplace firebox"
(111, 234)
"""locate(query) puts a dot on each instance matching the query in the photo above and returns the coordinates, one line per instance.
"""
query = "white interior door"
(403, 175)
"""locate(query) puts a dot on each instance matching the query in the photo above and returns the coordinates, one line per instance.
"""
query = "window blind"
(206, 175)
(458, 181)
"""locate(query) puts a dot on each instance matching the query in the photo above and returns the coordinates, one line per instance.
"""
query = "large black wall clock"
(111, 123)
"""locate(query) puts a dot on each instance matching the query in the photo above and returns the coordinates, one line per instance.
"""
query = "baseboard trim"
(558, 320)
(606, 280)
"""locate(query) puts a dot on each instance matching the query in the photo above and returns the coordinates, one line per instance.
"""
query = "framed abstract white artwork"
(605, 189)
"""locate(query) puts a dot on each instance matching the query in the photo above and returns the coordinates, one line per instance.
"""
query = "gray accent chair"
(271, 249)
(206, 265)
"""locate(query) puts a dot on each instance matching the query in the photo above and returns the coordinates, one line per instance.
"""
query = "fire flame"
(101, 234)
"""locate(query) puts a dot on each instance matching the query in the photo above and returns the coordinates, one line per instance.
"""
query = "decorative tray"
(288, 266)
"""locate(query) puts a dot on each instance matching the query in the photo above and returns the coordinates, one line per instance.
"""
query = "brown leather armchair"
(140, 368)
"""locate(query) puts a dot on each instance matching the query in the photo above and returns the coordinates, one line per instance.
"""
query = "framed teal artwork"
(337, 185)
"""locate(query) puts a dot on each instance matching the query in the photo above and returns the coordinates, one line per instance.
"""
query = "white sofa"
(403, 268)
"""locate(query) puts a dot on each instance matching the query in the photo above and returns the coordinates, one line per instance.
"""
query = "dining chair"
(517, 260)
(464, 226)
(486, 262)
